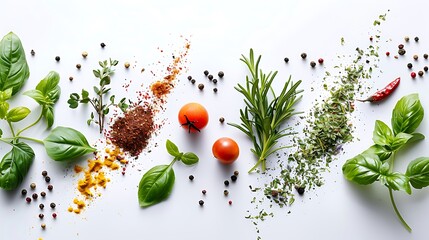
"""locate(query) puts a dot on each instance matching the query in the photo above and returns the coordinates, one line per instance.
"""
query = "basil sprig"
(61, 144)
(157, 183)
(376, 163)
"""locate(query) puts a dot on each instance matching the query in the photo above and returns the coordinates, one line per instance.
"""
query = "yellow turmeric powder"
(95, 175)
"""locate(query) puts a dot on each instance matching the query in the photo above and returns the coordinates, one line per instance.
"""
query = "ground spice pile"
(133, 131)
(94, 175)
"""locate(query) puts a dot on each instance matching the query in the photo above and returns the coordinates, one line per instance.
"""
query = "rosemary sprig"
(101, 108)
(265, 112)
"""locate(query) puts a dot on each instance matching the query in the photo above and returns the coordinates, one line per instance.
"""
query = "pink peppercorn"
(320, 60)
(413, 75)
(387, 53)
(230, 202)
(54, 215)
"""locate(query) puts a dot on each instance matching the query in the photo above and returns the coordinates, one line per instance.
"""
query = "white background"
(219, 32)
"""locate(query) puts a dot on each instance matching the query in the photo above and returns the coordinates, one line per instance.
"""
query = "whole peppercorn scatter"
(102, 44)
(320, 60)
(191, 177)
(32, 52)
(24, 192)
(407, 39)
(387, 53)
(210, 77)
(420, 73)
(34, 196)
(84, 54)
(300, 190)
(221, 74)
(189, 78)
(225, 192)
(127, 64)
(413, 74)
(236, 173)
(367, 61)
(416, 56)
(371, 38)
(416, 39)
(201, 202)
(230, 202)
(221, 119)
(50, 187)
(33, 186)
(78, 66)
(215, 90)
(226, 182)
(426, 68)
(43, 194)
(41, 216)
(54, 215)
(201, 86)
(193, 81)
(52, 205)
(286, 60)
(71, 78)
(28, 199)
(206, 72)
(303, 55)
(401, 52)
(425, 56)
(312, 64)
(409, 65)
(204, 192)
(233, 178)
(57, 58)
(401, 46)
(41, 206)
(44, 173)
(43, 225)
(214, 81)
(47, 179)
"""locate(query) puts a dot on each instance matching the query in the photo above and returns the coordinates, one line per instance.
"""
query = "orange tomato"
(225, 150)
(193, 117)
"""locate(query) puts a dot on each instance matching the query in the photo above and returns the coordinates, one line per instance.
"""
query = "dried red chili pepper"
(383, 93)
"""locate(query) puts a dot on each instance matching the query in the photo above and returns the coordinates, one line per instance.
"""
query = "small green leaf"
(380, 151)
(37, 96)
(17, 114)
(96, 90)
(400, 140)
(6, 94)
(156, 185)
(418, 172)
(189, 158)
(407, 114)
(85, 94)
(96, 73)
(72, 103)
(382, 134)
(4, 107)
(397, 181)
(66, 143)
(172, 148)
(362, 169)
(48, 112)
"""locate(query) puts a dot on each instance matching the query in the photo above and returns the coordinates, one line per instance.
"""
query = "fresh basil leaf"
(6, 94)
(37, 96)
(380, 151)
(15, 165)
(17, 114)
(48, 113)
(400, 140)
(14, 70)
(156, 185)
(66, 143)
(189, 158)
(49, 83)
(397, 181)
(416, 137)
(4, 107)
(172, 149)
(407, 114)
(362, 169)
(382, 134)
(418, 172)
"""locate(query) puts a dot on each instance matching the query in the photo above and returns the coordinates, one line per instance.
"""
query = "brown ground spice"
(132, 131)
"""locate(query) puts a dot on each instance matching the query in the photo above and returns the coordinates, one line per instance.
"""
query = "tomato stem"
(190, 124)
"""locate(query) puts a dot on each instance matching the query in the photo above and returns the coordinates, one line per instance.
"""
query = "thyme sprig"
(101, 108)
(265, 111)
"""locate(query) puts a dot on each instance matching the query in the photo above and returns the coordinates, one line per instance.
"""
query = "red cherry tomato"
(193, 117)
(225, 150)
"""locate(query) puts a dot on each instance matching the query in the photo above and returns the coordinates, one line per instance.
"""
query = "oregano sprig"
(101, 109)
(376, 163)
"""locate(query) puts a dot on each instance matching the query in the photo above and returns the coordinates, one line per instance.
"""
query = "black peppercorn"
(300, 190)
(191, 177)
(233, 178)
(214, 81)
(401, 51)
(78, 66)
(312, 64)
(425, 56)
(221, 119)
(201, 202)
(34, 196)
(367, 61)
(189, 78)
(47, 179)
(193, 81)
(24, 192)
(41, 215)
(221, 74)
(206, 72)
(286, 60)
(420, 73)
(226, 182)
(52, 205)
(225, 192)
(44, 173)
(57, 58)
(71, 78)
(201, 86)
(41, 206)
(204, 192)
(409, 65)
(50, 187)
(210, 77)
(426, 68)
(215, 90)
(32, 52)
(43, 194)
(416, 39)
(304, 55)
(102, 45)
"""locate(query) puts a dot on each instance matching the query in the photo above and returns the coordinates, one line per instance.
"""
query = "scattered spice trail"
(128, 135)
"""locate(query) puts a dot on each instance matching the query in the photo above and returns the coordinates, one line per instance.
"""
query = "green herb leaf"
(407, 114)
(5, 95)
(380, 151)
(37, 96)
(362, 169)
(4, 107)
(400, 140)
(156, 185)
(397, 181)
(14, 70)
(15, 165)
(17, 114)
(418, 172)
(66, 143)
(189, 158)
(382, 134)
(172, 149)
